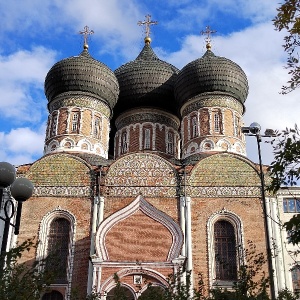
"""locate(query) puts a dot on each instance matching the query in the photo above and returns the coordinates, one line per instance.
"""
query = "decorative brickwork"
(83, 100)
(224, 170)
(141, 173)
(211, 100)
(58, 173)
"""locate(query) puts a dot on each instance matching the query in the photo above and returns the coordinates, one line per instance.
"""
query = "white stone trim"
(44, 227)
(237, 224)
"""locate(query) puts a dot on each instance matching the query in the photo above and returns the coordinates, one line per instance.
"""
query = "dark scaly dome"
(146, 81)
(82, 74)
(211, 74)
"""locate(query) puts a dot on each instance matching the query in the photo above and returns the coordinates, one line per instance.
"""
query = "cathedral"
(144, 174)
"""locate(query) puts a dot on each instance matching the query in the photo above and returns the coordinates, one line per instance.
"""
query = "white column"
(182, 223)
(189, 251)
(92, 245)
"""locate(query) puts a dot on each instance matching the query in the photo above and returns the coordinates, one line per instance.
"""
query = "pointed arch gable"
(139, 204)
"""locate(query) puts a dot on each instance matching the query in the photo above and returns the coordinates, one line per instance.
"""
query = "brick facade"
(152, 209)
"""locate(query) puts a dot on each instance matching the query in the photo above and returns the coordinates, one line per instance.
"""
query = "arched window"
(236, 126)
(217, 122)
(54, 295)
(170, 143)
(146, 138)
(194, 127)
(124, 143)
(97, 127)
(75, 121)
(58, 245)
(54, 124)
(225, 251)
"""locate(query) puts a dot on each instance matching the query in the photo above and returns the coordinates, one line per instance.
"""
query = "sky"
(36, 34)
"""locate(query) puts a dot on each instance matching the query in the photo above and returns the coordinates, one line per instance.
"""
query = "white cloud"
(22, 145)
(22, 76)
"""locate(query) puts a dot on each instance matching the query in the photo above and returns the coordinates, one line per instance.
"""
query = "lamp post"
(254, 130)
(21, 189)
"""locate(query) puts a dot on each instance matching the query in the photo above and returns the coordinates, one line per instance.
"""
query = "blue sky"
(35, 34)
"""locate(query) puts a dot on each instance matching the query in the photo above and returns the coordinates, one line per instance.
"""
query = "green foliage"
(287, 19)
(285, 169)
(252, 283)
(20, 281)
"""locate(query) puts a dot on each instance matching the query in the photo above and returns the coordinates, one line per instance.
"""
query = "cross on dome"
(86, 32)
(208, 32)
(147, 24)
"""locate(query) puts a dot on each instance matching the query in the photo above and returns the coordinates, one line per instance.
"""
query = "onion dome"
(211, 74)
(146, 81)
(82, 74)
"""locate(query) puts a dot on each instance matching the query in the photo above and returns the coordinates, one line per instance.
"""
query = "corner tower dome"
(82, 74)
(211, 92)
(211, 74)
(82, 93)
(146, 81)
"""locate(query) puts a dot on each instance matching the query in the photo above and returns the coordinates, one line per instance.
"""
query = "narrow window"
(58, 246)
(75, 119)
(147, 139)
(236, 125)
(217, 122)
(97, 127)
(170, 143)
(124, 145)
(225, 251)
(54, 124)
(194, 127)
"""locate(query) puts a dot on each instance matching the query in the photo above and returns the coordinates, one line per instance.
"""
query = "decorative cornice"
(84, 101)
(211, 101)
(224, 191)
(147, 115)
(62, 191)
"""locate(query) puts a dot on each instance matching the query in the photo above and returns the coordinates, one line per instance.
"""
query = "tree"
(252, 283)
(288, 19)
(285, 171)
(20, 281)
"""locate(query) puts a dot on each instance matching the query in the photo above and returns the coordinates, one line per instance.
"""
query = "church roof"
(146, 81)
(211, 74)
(84, 74)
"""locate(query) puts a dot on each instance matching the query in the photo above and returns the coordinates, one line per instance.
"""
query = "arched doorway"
(54, 295)
(152, 292)
(118, 292)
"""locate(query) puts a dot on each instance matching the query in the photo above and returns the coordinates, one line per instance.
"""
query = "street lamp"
(21, 189)
(254, 130)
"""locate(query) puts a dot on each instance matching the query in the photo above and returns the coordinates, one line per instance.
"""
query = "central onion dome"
(146, 81)
(82, 74)
(211, 74)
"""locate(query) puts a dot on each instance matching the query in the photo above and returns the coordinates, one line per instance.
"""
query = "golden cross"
(208, 31)
(86, 32)
(147, 24)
